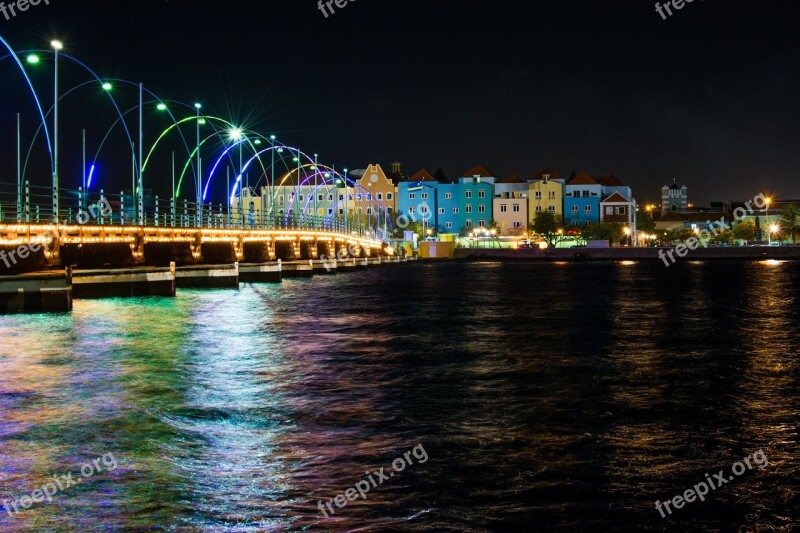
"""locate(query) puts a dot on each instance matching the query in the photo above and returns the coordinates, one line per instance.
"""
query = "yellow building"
(376, 197)
(546, 193)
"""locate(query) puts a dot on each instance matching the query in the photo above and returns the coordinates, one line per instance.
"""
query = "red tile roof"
(615, 198)
(513, 178)
(547, 170)
(422, 175)
(582, 179)
(478, 171)
(609, 181)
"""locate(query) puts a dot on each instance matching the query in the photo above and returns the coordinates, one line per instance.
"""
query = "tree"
(604, 231)
(549, 227)
(645, 222)
(790, 219)
(744, 231)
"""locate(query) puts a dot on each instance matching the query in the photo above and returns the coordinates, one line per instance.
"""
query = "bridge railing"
(34, 205)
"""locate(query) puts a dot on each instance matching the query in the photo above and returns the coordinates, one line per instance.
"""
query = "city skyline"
(707, 115)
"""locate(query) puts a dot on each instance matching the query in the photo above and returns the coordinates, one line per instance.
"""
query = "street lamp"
(198, 209)
(774, 228)
(57, 47)
(628, 232)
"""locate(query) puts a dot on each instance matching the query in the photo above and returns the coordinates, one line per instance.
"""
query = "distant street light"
(57, 47)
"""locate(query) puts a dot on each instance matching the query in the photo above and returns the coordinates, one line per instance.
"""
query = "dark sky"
(709, 96)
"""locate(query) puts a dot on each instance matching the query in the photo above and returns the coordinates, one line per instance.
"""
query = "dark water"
(545, 397)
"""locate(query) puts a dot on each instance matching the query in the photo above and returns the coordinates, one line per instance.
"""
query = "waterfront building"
(475, 196)
(376, 196)
(674, 198)
(546, 193)
(582, 200)
(417, 198)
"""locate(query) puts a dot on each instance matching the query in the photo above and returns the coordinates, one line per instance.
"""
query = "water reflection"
(568, 396)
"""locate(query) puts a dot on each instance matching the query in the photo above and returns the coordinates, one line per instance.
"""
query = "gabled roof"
(582, 179)
(616, 198)
(478, 171)
(609, 181)
(547, 170)
(513, 178)
(675, 186)
(440, 176)
(422, 175)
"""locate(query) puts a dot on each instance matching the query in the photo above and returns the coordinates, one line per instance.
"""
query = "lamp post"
(346, 212)
(315, 189)
(198, 209)
(272, 185)
(57, 46)
(767, 202)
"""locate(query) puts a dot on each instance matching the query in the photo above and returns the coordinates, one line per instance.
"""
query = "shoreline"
(734, 253)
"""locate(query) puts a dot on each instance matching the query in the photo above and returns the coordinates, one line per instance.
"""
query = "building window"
(517, 224)
(341, 211)
(369, 197)
(481, 208)
(538, 195)
(369, 210)
(423, 209)
(468, 223)
(574, 209)
(359, 197)
(621, 210)
(330, 211)
(380, 196)
(551, 195)
(481, 194)
(448, 196)
(503, 208)
(411, 210)
(321, 197)
(424, 196)
(412, 196)
(538, 209)
(455, 210)
(468, 209)
(468, 194)
(481, 222)
(609, 210)
(441, 210)
(341, 197)
(300, 197)
(388, 196)
(330, 197)
(587, 209)
(448, 225)
(516, 208)
(552, 209)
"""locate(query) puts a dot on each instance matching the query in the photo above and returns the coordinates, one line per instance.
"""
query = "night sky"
(708, 96)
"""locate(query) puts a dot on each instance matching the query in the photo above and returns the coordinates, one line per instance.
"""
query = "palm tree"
(790, 218)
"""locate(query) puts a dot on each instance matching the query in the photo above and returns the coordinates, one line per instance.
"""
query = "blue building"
(582, 198)
(475, 198)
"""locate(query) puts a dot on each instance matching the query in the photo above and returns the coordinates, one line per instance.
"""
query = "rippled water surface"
(546, 398)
